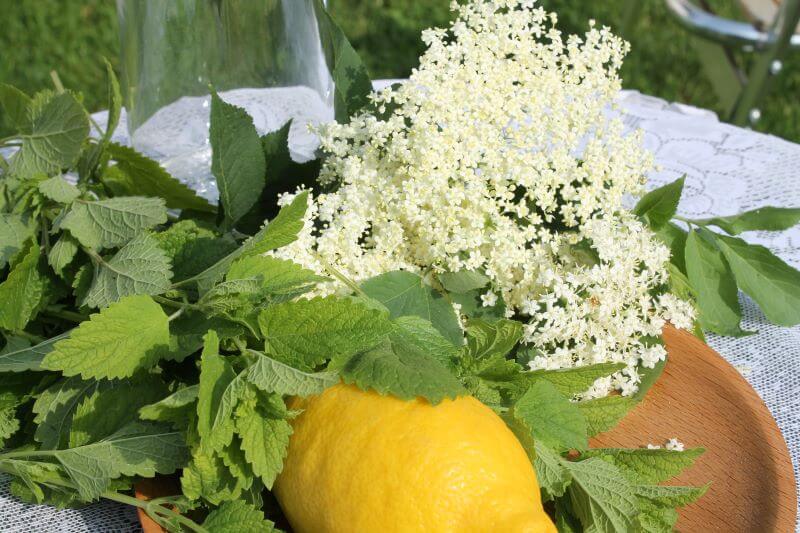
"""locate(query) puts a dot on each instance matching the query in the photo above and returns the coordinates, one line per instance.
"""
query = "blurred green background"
(71, 36)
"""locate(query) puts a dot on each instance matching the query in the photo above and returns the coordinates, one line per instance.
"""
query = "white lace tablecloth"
(728, 170)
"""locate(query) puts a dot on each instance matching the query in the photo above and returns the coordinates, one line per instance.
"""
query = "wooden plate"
(703, 401)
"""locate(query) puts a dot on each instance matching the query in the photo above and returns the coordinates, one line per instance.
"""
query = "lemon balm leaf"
(571, 381)
(644, 465)
(603, 414)
(273, 376)
(553, 419)
(601, 497)
(237, 517)
(265, 441)
(22, 291)
(113, 222)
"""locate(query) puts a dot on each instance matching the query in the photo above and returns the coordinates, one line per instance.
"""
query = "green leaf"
(237, 517)
(601, 497)
(675, 238)
(351, 80)
(15, 105)
(603, 414)
(24, 358)
(405, 294)
(713, 283)
(659, 205)
(273, 376)
(139, 449)
(314, 330)
(417, 331)
(59, 190)
(762, 219)
(193, 248)
(62, 253)
(175, 408)
(137, 175)
(572, 381)
(670, 496)
(553, 477)
(22, 291)
(114, 102)
(265, 442)
(237, 159)
(113, 222)
(129, 335)
(402, 370)
(655, 518)
(8, 416)
(554, 420)
(52, 135)
(773, 284)
(463, 281)
(644, 465)
(277, 277)
(217, 393)
(14, 231)
(140, 268)
(208, 477)
(492, 339)
(55, 407)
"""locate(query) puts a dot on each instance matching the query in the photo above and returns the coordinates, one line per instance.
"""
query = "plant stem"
(66, 315)
(57, 81)
(174, 304)
(30, 336)
(145, 505)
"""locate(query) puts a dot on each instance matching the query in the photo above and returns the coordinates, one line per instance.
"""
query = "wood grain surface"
(703, 401)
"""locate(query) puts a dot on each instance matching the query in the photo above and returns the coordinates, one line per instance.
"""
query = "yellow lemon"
(362, 462)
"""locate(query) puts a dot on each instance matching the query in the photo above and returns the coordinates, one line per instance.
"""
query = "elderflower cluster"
(499, 155)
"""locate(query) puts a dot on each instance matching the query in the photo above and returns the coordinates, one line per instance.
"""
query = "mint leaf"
(15, 105)
(572, 381)
(265, 441)
(553, 477)
(405, 294)
(351, 80)
(773, 284)
(554, 420)
(272, 376)
(8, 416)
(646, 466)
(277, 277)
(137, 175)
(670, 496)
(54, 409)
(237, 159)
(659, 205)
(217, 379)
(139, 268)
(714, 285)
(139, 449)
(52, 135)
(762, 219)
(601, 497)
(14, 231)
(463, 281)
(603, 414)
(192, 248)
(653, 518)
(237, 517)
(420, 333)
(492, 339)
(175, 408)
(114, 102)
(208, 477)
(402, 370)
(314, 330)
(22, 291)
(107, 346)
(113, 222)
(62, 253)
(59, 190)
(24, 358)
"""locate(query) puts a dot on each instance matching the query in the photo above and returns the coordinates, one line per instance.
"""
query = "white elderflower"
(499, 155)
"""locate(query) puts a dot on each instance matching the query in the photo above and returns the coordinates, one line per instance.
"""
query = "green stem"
(145, 505)
(30, 336)
(174, 304)
(57, 81)
(65, 315)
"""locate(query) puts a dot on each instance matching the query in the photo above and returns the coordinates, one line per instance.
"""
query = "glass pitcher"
(263, 55)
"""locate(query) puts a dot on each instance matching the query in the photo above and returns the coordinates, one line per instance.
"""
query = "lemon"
(362, 462)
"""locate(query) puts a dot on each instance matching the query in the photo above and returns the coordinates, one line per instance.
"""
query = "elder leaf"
(139, 268)
(766, 218)
(129, 335)
(137, 175)
(237, 160)
(659, 205)
(113, 222)
(463, 281)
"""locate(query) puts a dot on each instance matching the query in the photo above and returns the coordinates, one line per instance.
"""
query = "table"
(728, 170)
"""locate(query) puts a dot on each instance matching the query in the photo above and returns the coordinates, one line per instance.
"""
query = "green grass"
(71, 37)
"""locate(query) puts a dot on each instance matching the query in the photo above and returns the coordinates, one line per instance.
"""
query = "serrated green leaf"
(601, 497)
(272, 376)
(9, 424)
(129, 335)
(137, 175)
(15, 105)
(193, 248)
(59, 190)
(420, 333)
(265, 442)
(237, 517)
(55, 407)
(712, 281)
(175, 408)
(463, 281)
(659, 205)
(14, 232)
(138, 449)
(139, 268)
(572, 381)
(762, 219)
(670, 496)
(654, 518)
(603, 414)
(553, 477)
(26, 357)
(278, 277)
(492, 339)
(113, 222)
(114, 102)
(402, 370)
(768, 280)
(645, 465)
(554, 420)
(216, 378)
(406, 294)
(52, 135)
(315, 330)
(22, 291)
(237, 160)
(209, 478)
(62, 253)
